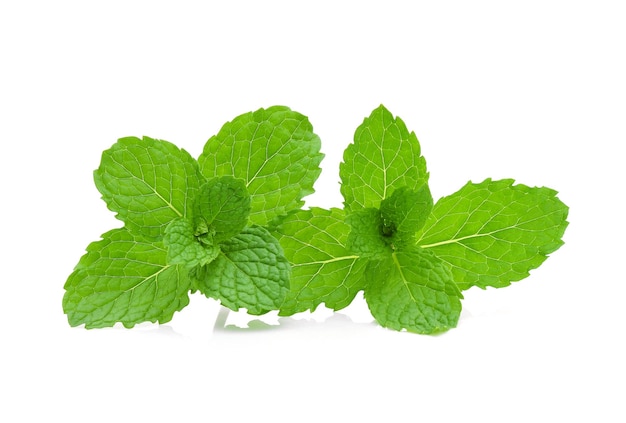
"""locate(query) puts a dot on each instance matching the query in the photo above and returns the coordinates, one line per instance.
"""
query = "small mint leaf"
(369, 236)
(183, 247)
(404, 213)
(221, 208)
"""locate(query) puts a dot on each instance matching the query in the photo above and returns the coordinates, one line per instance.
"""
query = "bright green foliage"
(383, 157)
(385, 188)
(323, 270)
(368, 235)
(124, 278)
(412, 290)
(187, 232)
(250, 272)
(184, 247)
(230, 226)
(403, 213)
(486, 234)
(374, 231)
(148, 183)
(274, 151)
(221, 208)
(493, 233)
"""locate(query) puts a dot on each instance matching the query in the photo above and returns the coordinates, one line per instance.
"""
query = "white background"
(533, 90)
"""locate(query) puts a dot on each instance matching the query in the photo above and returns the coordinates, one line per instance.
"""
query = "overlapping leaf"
(183, 246)
(221, 208)
(404, 213)
(323, 270)
(250, 272)
(274, 151)
(186, 228)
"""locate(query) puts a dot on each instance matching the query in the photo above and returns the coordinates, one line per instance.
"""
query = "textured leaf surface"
(251, 272)
(404, 213)
(413, 290)
(148, 183)
(366, 237)
(323, 270)
(274, 151)
(184, 248)
(384, 156)
(124, 278)
(494, 232)
(221, 208)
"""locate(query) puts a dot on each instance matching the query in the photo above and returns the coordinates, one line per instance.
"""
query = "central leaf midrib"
(404, 280)
(155, 192)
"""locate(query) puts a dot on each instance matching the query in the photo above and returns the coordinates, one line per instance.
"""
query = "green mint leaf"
(494, 232)
(221, 208)
(367, 237)
(274, 151)
(404, 213)
(183, 247)
(124, 278)
(251, 272)
(413, 290)
(384, 156)
(148, 183)
(323, 270)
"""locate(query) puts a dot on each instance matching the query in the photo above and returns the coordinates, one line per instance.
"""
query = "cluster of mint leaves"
(232, 226)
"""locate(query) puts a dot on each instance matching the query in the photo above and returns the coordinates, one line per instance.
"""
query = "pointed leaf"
(494, 232)
(384, 156)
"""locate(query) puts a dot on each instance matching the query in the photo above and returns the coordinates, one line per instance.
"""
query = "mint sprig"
(230, 226)
(416, 257)
(195, 226)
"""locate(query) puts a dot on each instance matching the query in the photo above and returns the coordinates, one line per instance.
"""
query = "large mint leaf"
(274, 151)
(124, 278)
(148, 183)
(184, 247)
(404, 213)
(413, 290)
(251, 272)
(494, 232)
(221, 208)
(383, 157)
(323, 270)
